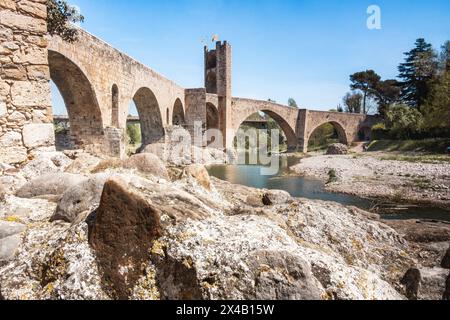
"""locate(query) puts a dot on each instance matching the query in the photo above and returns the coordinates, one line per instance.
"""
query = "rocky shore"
(371, 176)
(73, 226)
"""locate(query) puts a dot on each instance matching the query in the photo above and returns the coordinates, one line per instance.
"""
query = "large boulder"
(84, 163)
(50, 184)
(147, 163)
(283, 276)
(425, 283)
(45, 163)
(83, 197)
(124, 227)
(337, 149)
(446, 260)
(199, 173)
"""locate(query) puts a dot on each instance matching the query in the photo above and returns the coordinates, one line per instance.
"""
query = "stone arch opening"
(270, 120)
(212, 123)
(85, 125)
(151, 123)
(325, 134)
(178, 114)
(365, 133)
(211, 82)
(115, 106)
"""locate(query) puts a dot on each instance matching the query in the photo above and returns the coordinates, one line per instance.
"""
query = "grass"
(436, 146)
(332, 176)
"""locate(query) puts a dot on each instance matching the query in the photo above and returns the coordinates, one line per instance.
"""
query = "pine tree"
(365, 81)
(416, 72)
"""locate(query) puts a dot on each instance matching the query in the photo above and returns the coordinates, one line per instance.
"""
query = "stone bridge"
(98, 82)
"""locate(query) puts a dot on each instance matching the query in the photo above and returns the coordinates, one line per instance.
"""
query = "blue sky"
(281, 48)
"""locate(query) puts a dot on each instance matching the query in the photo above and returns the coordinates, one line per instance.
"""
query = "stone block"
(22, 22)
(38, 135)
(12, 155)
(31, 93)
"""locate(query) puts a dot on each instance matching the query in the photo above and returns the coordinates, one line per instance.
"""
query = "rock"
(147, 163)
(282, 276)
(337, 149)
(50, 184)
(38, 135)
(447, 289)
(425, 283)
(421, 231)
(199, 173)
(8, 247)
(80, 198)
(8, 229)
(45, 163)
(2, 192)
(446, 260)
(13, 155)
(124, 227)
(83, 163)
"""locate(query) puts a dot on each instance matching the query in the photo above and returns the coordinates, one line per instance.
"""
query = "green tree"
(444, 58)
(60, 15)
(353, 102)
(386, 93)
(437, 107)
(292, 103)
(419, 68)
(134, 134)
(403, 122)
(366, 81)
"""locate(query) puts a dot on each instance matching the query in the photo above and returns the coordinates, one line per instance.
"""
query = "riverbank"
(75, 228)
(384, 176)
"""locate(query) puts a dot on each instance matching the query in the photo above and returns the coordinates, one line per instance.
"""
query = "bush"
(380, 132)
(404, 122)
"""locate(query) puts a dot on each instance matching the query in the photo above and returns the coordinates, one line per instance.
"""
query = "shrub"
(380, 132)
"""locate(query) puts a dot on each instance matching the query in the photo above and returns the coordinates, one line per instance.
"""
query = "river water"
(297, 186)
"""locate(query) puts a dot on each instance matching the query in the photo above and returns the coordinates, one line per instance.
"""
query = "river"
(298, 186)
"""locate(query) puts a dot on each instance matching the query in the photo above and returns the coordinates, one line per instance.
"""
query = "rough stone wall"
(25, 99)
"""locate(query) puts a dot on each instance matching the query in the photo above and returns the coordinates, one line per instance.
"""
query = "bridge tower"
(218, 65)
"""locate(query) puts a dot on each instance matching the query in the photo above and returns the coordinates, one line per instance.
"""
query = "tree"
(403, 122)
(339, 108)
(366, 81)
(437, 107)
(353, 102)
(292, 103)
(444, 58)
(386, 93)
(416, 72)
(60, 15)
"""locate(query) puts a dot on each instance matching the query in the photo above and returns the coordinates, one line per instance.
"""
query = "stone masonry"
(25, 105)
(98, 82)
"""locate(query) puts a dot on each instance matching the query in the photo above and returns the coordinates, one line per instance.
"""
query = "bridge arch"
(178, 118)
(284, 125)
(152, 128)
(77, 91)
(341, 132)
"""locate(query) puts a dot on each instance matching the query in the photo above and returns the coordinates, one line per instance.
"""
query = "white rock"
(38, 135)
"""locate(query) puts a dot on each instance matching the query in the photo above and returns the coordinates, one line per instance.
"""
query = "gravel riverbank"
(371, 176)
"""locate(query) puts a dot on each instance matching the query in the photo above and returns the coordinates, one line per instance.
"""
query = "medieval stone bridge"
(98, 82)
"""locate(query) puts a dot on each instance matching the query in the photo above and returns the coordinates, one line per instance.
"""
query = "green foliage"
(353, 102)
(292, 103)
(403, 122)
(437, 106)
(134, 134)
(380, 132)
(424, 145)
(366, 81)
(419, 68)
(332, 176)
(60, 15)
(386, 93)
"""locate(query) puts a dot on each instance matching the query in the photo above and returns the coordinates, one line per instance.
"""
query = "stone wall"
(25, 98)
